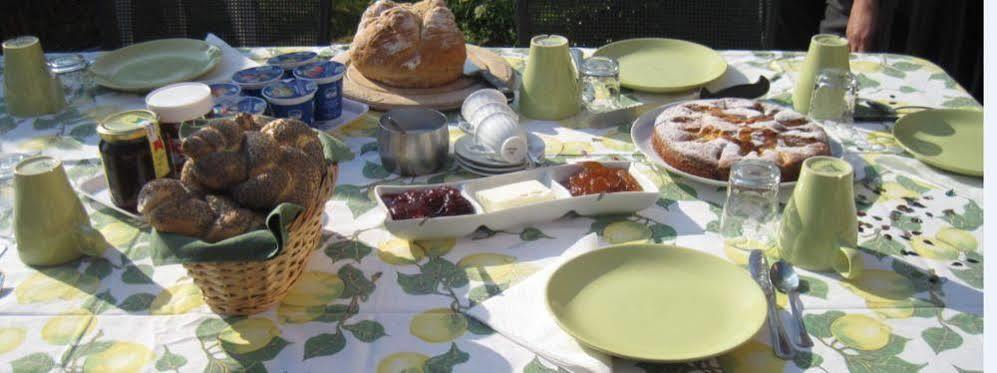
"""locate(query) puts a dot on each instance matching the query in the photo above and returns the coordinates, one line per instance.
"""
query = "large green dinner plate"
(658, 303)
(153, 64)
(950, 139)
(664, 65)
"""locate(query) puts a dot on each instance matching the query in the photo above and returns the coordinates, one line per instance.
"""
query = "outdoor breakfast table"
(371, 302)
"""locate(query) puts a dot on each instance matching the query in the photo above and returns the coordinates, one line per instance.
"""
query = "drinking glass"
(751, 212)
(832, 103)
(600, 83)
(77, 80)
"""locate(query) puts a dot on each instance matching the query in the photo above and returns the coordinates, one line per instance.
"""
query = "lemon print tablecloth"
(369, 302)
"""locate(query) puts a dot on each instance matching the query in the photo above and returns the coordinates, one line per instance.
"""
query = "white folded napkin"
(232, 61)
(520, 314)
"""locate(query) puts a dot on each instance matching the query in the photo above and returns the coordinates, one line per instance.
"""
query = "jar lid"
(292, 60)
(126, 125)
(224, 89)
(67, 64)
(290, 92)
(229, 106)
(320, 71)
(180, 102)
(257, 76)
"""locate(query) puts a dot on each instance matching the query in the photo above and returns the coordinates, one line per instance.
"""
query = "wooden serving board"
(382, 97)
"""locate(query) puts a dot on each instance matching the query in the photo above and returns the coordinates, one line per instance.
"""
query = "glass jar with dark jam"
(133, 154)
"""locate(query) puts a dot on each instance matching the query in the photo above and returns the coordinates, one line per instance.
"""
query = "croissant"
(409, 45)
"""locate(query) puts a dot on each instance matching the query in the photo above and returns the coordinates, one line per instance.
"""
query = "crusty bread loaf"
(409, 45)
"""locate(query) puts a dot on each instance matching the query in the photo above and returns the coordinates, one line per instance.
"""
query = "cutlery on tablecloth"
(750, 91)
(473, 70)
(785, 279)
(777, 331)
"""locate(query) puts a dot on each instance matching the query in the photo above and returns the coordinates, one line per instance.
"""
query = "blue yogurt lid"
(292, 60)
(322, 71)
(224, 90)
(256, 77)
(230, 106)
(290, 92)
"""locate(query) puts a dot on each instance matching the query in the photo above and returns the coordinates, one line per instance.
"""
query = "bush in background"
(484, 22)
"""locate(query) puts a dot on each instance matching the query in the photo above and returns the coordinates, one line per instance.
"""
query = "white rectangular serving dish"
(95, 188)
(351, 110)
(554, 178)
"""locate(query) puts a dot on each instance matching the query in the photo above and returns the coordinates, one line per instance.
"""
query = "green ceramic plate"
(658, 303)
(153, 64)
(664, 65)
(950, 139)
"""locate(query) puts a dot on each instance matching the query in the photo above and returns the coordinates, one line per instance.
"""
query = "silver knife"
(758, 266)
(473, 70)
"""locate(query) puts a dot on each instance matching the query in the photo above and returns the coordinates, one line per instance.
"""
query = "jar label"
(160, 162)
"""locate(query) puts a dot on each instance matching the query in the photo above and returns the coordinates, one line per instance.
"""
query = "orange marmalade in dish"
(597, 179)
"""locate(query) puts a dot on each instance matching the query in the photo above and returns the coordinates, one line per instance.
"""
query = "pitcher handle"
(91, 241)
(848, 262)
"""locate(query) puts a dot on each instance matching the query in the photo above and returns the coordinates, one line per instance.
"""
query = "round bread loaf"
(409, 45)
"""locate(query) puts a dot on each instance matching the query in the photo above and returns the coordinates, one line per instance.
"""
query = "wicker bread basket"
(249, 287)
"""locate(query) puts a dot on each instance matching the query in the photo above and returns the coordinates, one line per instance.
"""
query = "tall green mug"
(28, 85)
(819, 229)
(826, 51)
(550, 89)
(50, 225)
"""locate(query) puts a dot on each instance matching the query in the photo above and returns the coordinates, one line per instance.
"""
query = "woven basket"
(249, 287)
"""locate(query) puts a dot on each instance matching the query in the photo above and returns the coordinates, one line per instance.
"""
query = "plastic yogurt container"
(290, 61)
(252, 80)
(230, 106)
(292, 99)
(219, 90)
(328, 76)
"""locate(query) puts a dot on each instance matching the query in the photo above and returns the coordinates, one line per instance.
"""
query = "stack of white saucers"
(483, 164)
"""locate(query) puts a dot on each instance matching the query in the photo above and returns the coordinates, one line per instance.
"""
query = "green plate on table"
(664, 65)
(950, 139)
(153, 64)
(659, 303)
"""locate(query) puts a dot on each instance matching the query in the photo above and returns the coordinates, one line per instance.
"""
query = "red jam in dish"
(427, 203)
(596, 179)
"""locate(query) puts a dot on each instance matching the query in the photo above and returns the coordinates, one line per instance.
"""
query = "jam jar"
(175, 105)
(133, 154)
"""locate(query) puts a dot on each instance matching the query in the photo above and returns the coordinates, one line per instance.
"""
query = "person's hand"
(861, 27)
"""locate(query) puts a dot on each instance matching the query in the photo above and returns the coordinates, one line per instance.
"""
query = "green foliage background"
(484, 22)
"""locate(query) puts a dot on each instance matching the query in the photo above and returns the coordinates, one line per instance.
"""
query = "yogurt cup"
(328, 76)
(292, 99)
(219, 90)
(290, 61)
(230, 106)
(252, 80)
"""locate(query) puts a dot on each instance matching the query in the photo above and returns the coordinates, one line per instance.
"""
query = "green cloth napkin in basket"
(259, 245)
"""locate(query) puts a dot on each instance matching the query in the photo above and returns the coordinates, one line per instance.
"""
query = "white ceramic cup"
(487, 110)
(478, 99)
(500, 135)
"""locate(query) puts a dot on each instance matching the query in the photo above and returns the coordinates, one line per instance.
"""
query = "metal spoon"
(394, 125)
(787, 281)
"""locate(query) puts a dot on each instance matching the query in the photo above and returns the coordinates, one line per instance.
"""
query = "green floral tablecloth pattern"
(371, 302)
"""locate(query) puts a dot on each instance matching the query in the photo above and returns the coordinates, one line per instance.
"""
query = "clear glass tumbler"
(77, 80)
(751, 212)
(600, 84)
(832, 103)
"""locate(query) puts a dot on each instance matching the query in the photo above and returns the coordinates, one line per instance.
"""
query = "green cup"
(28, 85)
(819, 229)
(826, 51)
(550, 89)
(50, 225)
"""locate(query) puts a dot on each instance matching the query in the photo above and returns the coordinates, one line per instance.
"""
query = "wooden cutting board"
(383, 97)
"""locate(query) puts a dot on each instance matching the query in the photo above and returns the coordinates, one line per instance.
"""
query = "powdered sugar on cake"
(706, 137)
